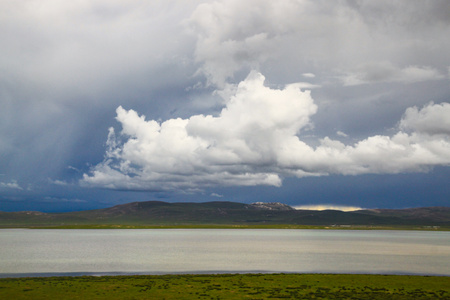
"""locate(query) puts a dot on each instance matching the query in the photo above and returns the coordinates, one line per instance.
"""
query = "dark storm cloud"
(373, 68)
(66, 67)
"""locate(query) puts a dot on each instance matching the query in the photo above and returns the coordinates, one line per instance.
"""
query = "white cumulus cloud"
(239, 147)
(431, 119)
(256, 140)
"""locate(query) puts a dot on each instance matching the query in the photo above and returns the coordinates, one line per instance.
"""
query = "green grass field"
(228, 286)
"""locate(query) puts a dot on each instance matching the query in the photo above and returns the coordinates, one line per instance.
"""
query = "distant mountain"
(227, 213)
(430, 214)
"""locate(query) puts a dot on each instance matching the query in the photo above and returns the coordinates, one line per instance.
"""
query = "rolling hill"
(157, 213)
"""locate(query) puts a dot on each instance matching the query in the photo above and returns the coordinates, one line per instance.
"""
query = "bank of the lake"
(233, 226)
(228, 286)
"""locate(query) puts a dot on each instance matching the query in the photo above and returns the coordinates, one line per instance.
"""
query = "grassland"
(228, 286)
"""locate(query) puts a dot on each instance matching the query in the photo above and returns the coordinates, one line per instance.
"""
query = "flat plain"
(228, 286)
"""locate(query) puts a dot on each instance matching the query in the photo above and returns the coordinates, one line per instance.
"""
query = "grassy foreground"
(228, 286)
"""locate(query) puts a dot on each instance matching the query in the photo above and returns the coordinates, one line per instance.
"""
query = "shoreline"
(206, 273)
(230, 226)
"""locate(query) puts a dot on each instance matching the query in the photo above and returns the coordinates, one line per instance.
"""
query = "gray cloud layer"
(359, 42)
(375, 70)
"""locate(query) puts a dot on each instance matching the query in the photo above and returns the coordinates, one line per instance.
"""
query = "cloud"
(401, 42)
(73, 168)
(431, 119)
(328, 207)
(256, 140)
(231, 35)
(235, 148)
(340, 133)
(66, 66)
(90, 43)
(58, 200)
(10, 185)
(308, 75)
(216, 195)
(57, 182)
(386, 72)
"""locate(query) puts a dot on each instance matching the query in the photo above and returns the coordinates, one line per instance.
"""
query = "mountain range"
(157, 213)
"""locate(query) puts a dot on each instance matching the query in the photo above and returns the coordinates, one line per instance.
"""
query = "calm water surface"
(109, 251)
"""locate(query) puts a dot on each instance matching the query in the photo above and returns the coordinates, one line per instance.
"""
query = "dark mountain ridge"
(227, 213)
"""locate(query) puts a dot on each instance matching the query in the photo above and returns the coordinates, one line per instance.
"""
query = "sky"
(342, 104)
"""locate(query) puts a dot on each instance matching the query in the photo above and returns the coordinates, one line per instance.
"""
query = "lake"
(38, 252)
